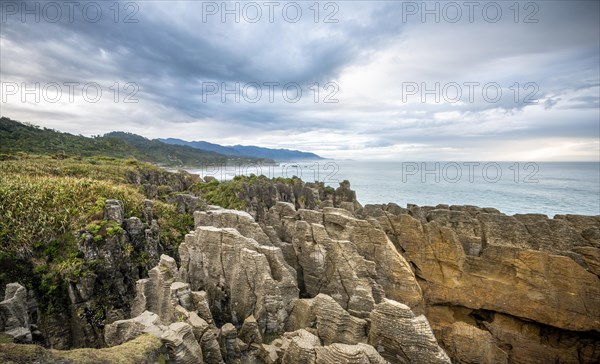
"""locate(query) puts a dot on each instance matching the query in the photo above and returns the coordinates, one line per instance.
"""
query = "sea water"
(512, 187)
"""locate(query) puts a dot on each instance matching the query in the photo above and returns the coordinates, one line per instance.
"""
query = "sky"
(371, 80)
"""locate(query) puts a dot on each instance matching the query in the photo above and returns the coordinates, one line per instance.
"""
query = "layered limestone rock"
(263, 194)
(345, 197)
(156, 181)
(154, 293)
(179, 337)
(470, 345)
(125, 330)
(335, 268)
(245, 224)
(163, 299)
(248, 289)
(349, 259)
(250, 332)
(231, 348)
(348, 354)
(241, 221)
(398, 335)
(309, 276)
(529, 342)
(328, 320)
(402, 337)
(303, 347)
(393, 273)
(503, 273)
(241, 277)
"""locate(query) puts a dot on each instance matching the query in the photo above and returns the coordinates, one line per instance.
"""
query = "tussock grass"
(46, 201)
(143, 349)
(39, 209)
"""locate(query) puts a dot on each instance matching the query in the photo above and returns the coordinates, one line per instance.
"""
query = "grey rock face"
(250, 332)
(303, 347)
(113, 211)
(470, 345)
(174, 303)
(186, 203)
(124, 330)
(249, 289)
(348, 354)
(154, 293)
(401, 337)
(345, 198)
(330, 322)
(14, 318)
(241, 221)
(180, 338)
(241, 277)
(230, 347)
(339, 259)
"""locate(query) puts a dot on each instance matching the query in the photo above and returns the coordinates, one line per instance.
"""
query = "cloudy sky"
(345, 79)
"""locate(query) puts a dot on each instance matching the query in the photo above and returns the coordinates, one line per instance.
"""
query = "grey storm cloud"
(172, 55)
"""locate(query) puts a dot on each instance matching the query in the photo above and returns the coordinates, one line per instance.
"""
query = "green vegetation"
(224, 194)
(227, 193)
(48, 203)
(51, 206)
(17, 137)
(42, 209)
(143, 349)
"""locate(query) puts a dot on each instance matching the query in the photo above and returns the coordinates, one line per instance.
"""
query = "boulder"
(122, 331)
(250, 332)
(301, 348)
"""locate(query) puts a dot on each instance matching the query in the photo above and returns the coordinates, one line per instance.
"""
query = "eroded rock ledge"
(236, 296)
(373, 284)
(525, 288)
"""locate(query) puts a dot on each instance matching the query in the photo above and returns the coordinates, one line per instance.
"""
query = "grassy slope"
(45, 202)
(143, 349)
(18, 137)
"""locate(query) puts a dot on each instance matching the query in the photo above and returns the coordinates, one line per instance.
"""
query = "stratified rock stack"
(237, 293)
(306, 276)
(241, 277)
(402, 337)
(522, 288)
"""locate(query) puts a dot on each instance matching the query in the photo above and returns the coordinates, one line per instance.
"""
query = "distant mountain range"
(24, 137)
(247, 151)
(18, 137)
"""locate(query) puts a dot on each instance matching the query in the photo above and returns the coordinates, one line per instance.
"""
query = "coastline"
(296, 270)
(550, 188)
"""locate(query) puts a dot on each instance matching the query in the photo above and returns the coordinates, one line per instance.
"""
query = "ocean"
(513, 188)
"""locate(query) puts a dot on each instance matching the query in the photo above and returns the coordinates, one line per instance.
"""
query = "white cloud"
(369, 53)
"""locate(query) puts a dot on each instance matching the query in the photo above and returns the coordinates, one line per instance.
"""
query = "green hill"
(23, 137)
